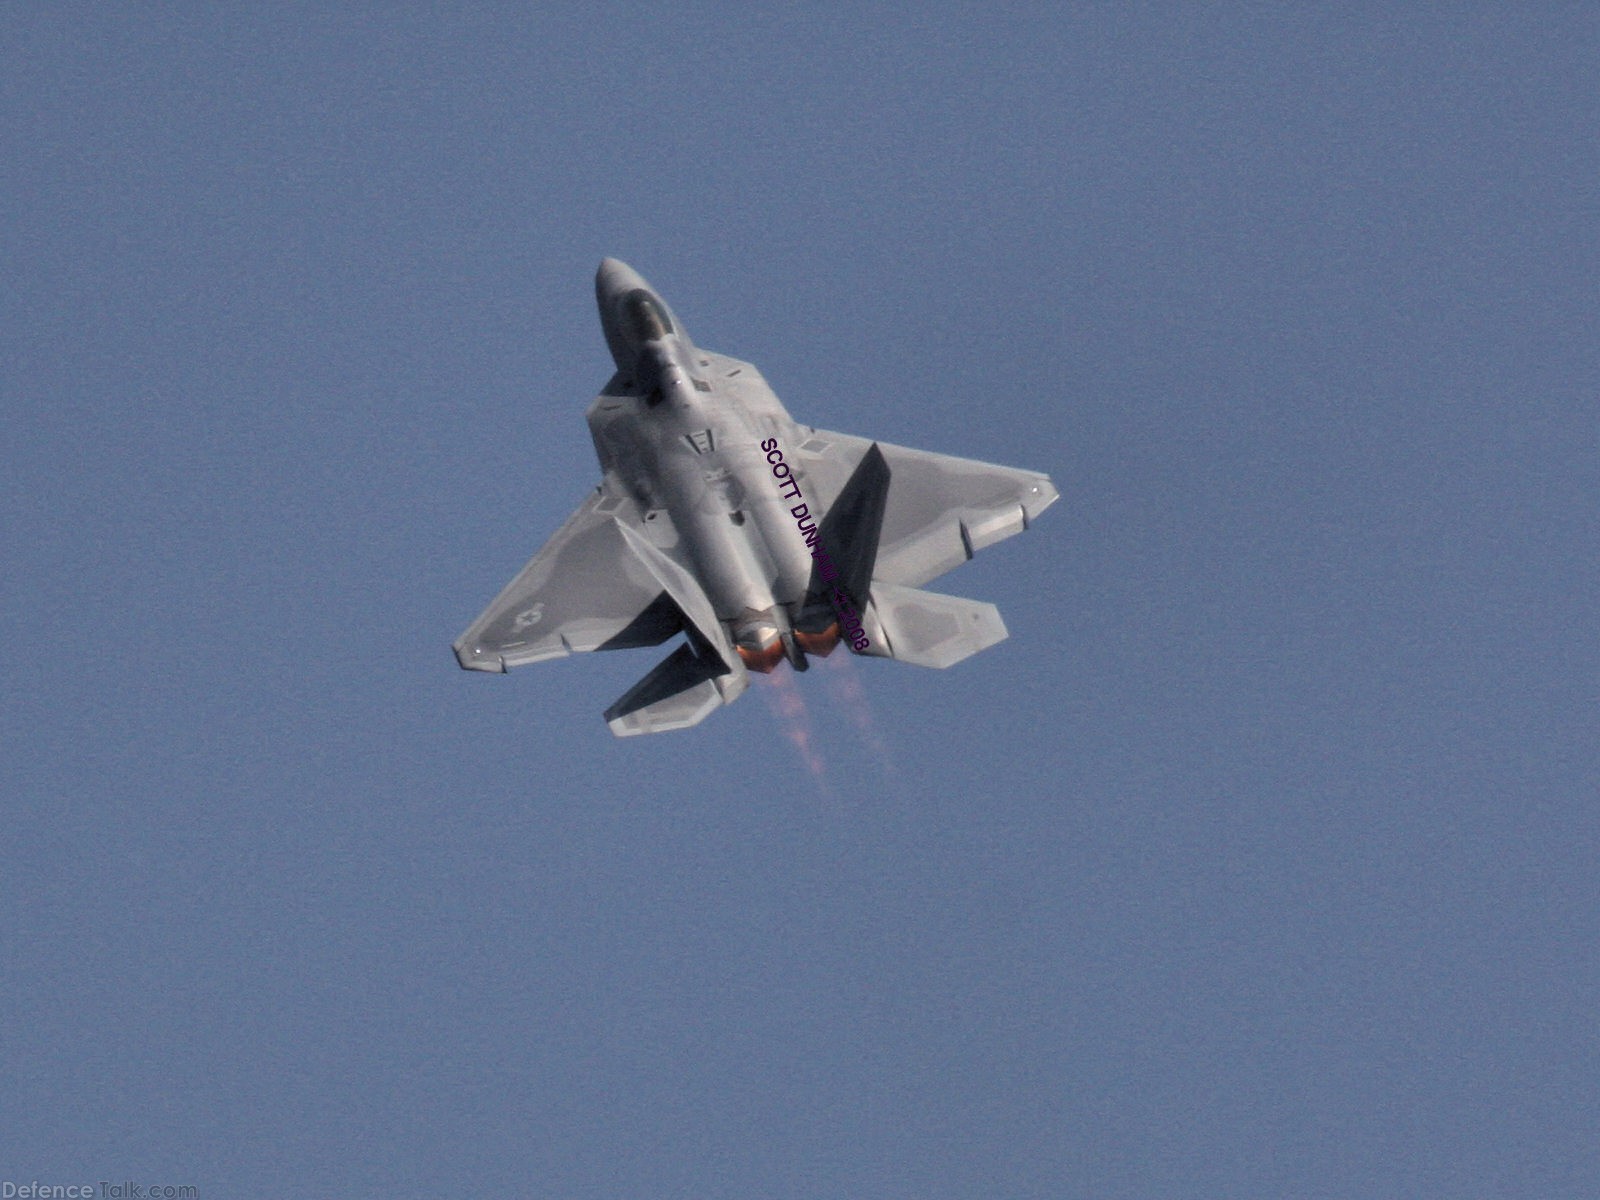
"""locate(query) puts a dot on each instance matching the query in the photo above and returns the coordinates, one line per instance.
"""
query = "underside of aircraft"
(758, 539)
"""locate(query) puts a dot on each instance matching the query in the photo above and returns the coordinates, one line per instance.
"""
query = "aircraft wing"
(940, 511)
(588, 589)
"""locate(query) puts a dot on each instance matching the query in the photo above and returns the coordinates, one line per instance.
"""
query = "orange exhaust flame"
(820, 644)
(762, 660)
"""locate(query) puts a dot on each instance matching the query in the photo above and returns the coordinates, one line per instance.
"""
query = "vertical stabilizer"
(850, 531)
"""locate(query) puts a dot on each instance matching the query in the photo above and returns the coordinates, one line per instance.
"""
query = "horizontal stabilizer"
(680, 692)
(931, 630)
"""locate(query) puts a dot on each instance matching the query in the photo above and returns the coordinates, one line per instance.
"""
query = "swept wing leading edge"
(587, 589)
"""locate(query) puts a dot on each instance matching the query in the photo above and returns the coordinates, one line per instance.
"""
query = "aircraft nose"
(615, 277)
(628, 325)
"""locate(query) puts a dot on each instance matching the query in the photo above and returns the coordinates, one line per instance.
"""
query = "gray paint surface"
(703, 524)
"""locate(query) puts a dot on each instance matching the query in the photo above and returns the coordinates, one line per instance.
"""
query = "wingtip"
(1041, 494)
(473, 658)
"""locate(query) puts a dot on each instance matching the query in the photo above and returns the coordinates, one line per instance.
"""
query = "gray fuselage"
(682, 431)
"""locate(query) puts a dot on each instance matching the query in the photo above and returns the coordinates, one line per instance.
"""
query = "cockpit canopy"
(642, 318)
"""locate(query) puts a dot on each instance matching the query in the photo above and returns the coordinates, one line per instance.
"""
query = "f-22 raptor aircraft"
(759, 539)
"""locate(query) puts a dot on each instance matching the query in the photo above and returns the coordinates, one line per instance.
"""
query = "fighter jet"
(760, 540)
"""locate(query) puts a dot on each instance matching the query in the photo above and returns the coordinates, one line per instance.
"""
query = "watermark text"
(843, 605)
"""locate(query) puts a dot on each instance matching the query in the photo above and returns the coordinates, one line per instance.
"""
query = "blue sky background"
(1260, 861)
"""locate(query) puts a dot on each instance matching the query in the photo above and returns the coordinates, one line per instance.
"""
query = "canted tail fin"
(694, 679)
(849, 532)
(681, 691)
